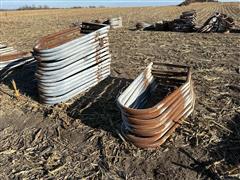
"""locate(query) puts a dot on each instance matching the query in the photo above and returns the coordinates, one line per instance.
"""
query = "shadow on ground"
(98, 108)
(24, 78)
(198, 166)
(224, 157)
(227, 151)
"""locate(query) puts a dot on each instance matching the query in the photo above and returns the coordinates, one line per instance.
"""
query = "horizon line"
(88, 4)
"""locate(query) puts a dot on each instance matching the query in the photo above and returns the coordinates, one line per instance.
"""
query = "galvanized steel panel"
(72, 66)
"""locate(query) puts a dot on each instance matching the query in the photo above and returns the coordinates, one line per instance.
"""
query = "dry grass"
(23, 28)
(81, 139)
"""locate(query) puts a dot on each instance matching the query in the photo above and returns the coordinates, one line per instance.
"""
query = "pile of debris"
(217, 23)
(114, 23)
(187, 23)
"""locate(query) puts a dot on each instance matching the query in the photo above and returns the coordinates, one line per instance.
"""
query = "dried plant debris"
(81, 138)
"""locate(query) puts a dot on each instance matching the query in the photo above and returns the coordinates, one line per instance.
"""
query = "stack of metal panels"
(146, 123)
(189, 17)
(72, 61)
(11, 58)
(217, 23)
(186, 22)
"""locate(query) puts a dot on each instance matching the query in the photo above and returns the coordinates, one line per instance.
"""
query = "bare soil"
(80, 138)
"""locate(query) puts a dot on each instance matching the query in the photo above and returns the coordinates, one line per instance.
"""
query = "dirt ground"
(80, 139)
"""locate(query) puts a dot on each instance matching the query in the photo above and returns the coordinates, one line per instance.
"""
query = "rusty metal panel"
(150, 126)
(13, 58)
(72, 61)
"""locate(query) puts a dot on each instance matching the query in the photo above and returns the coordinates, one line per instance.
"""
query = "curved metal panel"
(71, 61)
(149, 127)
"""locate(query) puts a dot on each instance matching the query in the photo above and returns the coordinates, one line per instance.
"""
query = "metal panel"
(150, 126)
(72, 61)
(14, 59)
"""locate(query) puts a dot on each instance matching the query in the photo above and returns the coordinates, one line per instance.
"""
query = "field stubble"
(81, 138)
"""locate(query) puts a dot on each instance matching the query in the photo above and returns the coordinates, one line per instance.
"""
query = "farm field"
(80, 138)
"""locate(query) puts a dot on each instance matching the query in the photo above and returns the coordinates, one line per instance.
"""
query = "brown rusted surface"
(57, 39)
(14, 56)
(150, 127)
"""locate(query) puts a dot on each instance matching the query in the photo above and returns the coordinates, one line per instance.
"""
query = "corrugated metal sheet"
(150, 126)
(11, 58)
(72, 61)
